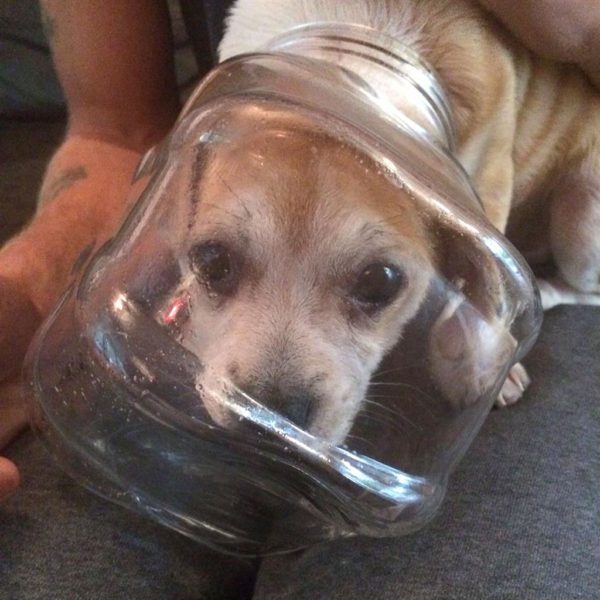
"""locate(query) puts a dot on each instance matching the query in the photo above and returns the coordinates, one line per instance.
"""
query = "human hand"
(563, 30)
(87, 185)
(9, 478)
(18, 321)
(12, 420)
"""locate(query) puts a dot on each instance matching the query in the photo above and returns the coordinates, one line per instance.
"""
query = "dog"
(298, 298)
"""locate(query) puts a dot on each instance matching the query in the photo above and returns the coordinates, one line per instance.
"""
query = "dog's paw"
(515, 385)
(555, 291)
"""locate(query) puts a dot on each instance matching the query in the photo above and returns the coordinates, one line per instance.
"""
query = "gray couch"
(521, 520)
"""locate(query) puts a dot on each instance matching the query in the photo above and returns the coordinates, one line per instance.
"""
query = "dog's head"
(305, 263)
(301, 264)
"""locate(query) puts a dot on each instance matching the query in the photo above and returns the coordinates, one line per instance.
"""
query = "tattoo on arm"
(56, 185)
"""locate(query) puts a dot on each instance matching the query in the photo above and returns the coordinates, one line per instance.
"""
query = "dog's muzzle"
(123, 391)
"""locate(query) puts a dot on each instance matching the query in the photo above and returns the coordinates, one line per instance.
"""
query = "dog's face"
(306, 263)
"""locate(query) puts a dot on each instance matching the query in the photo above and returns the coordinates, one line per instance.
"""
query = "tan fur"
(304, 231)
(528, 135)
(519, 117)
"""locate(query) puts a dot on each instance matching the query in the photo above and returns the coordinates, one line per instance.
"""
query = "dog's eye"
(378, 285)
(212, 263)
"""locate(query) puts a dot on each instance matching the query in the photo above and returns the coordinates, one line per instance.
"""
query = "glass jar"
(306, 317)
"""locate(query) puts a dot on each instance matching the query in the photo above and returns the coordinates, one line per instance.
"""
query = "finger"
(13, 411)
(9, 478)
(19, 320)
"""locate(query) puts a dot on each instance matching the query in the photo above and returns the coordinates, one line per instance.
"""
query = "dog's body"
(528, 134)
(528, 129)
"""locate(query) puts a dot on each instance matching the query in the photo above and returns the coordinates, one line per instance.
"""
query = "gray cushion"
(59, 541)
(522, 516)
(521, 519)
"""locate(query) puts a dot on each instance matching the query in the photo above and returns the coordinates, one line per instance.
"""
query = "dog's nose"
(294, 404)
(296, 408)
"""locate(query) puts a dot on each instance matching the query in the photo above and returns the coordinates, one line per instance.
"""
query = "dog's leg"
(575, 236)
(468, 353)
(495, 186)
(480, 358)
(486, 151)
(494, 182)
(575, 242)
(555, 291)
(515, 385)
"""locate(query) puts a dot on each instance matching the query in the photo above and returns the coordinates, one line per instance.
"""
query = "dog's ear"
(470, 344)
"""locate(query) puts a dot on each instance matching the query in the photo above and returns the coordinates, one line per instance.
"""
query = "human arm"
(114, 61)
(563, 30)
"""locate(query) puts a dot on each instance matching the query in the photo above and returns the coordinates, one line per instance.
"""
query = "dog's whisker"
(383, 397)
(394, 370)
(390, 410)
(395, 384)
(416, 399)
(408, 386)
(380, 405)
(398, 420)
(383, 419)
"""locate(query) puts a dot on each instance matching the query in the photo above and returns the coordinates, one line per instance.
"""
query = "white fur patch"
(252, 23)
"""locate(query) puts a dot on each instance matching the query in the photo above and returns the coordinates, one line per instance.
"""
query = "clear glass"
(299, 328)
